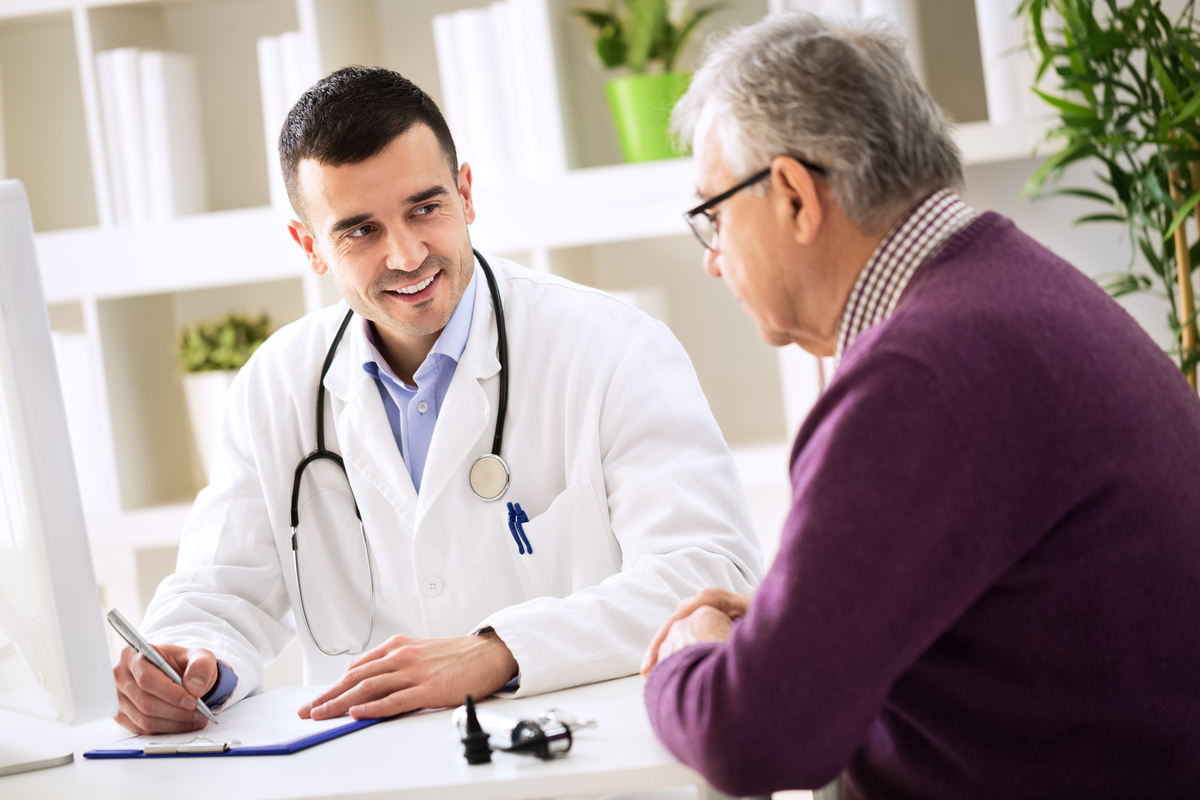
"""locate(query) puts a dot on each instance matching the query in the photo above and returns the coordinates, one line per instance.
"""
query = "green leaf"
(686, 30)
(1182, 214)
(1188, 111)
(1077, 150)
(1164, 80)
(1099, 218)
(1067, 105)
(646, 18)
(601, 20)
(1122, 283)
(611, 48)
(1088, 193)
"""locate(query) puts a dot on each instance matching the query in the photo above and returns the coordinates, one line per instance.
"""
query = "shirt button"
(432, 586)
(422, 406)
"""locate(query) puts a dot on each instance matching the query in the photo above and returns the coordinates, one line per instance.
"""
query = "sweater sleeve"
(881, 552)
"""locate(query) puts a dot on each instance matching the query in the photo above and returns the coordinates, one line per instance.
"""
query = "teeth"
(416, 287)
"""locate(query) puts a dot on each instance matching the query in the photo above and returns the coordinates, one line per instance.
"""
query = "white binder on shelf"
(131, 139)
(110, 113)
(176, 170)
(286, 69)
(79, 377)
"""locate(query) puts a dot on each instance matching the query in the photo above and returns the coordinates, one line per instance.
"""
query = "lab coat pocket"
(572, 548)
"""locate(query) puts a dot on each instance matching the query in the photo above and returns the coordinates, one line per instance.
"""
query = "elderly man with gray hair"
(989, 580)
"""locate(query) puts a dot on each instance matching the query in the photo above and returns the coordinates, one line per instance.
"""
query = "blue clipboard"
(208, 742)
(204, 751)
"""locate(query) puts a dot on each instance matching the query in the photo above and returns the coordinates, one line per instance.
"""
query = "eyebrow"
(349, 223)
(427, 194)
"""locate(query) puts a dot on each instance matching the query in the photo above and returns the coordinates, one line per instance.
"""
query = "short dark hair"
(352, 115)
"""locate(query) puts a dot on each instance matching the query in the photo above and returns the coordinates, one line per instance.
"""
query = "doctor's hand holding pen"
(150, 702)
(706, 616)
(406, 673)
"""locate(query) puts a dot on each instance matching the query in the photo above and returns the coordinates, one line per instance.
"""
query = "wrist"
(505, 666)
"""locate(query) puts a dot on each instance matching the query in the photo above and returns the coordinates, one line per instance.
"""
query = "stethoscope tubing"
(322, 453)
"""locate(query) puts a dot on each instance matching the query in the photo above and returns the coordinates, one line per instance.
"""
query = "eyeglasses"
(703, 221)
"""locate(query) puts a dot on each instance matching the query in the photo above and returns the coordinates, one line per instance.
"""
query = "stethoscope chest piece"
(489, 477)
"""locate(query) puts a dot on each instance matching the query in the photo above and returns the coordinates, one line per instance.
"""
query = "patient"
(989, 580)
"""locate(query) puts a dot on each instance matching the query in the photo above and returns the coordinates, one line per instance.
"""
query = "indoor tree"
(1127, 93)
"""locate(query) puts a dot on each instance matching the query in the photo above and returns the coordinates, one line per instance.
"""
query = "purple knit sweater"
(989, 582)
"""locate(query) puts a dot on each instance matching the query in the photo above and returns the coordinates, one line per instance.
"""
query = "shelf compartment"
(44, 135)
(152, 440)
(222, 35)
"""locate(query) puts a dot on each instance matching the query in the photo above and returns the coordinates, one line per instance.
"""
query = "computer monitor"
(49, 603)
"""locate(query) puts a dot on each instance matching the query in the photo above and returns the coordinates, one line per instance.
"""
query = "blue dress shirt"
(412, 411)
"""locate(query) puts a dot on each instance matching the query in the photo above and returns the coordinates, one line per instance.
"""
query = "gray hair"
(838, 94)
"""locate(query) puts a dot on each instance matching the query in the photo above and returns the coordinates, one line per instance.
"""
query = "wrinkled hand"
(150, 702)
(706, 616)
(406, 673)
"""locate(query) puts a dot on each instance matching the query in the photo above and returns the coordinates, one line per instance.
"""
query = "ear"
(308, 244)
(797, 199)
(464, 191)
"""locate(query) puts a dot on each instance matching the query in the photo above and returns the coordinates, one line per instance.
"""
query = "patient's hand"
(706, 616)
(406, 673)
(150, 702)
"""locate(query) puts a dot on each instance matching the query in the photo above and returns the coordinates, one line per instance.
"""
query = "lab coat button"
(432, 586)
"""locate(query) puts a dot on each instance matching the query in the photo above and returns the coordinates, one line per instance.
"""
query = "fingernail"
(187, 702)
(195, 684)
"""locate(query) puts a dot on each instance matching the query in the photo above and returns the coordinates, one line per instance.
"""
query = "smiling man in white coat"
(620, 495)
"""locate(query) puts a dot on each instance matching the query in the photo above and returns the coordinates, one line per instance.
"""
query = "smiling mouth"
(416, 287)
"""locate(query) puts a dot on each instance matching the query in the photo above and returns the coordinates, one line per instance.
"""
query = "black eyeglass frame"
(703, 208)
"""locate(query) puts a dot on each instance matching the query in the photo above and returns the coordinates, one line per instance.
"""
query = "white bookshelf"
(129, 288)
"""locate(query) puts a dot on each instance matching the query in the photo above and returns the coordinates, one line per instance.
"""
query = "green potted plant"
(1127, 99)
(210, 354)
(644, 36)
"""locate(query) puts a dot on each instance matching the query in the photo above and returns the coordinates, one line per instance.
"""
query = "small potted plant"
(644, 36)
(211, 353)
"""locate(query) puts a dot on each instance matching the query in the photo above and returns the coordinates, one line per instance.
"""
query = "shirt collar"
(914, 240)
(450, 344)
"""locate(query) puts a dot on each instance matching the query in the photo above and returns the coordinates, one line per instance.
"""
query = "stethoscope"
(489, 476)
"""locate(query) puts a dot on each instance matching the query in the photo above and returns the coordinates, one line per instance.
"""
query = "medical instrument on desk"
(489, 475)
(138, 643)
(546, 736)
(476, 748)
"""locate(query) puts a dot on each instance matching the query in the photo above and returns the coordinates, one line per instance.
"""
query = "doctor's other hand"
(406, 672)
(150, 702)
(708, 615)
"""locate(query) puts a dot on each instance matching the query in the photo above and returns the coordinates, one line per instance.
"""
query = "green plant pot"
(641, 108)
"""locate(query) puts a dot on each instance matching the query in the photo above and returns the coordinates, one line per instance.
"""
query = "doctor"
(619, 495)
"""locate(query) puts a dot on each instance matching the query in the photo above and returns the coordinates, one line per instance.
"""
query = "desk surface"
(411, 757)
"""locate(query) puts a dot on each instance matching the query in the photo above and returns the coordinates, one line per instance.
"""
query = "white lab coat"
(632, 495)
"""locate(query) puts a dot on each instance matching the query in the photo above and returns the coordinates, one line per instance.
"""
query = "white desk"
(411, 757)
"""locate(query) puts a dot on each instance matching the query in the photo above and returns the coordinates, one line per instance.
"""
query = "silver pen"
(130, 634)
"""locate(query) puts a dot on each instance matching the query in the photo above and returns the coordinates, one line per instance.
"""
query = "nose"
(405, 252)
(710, 263)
